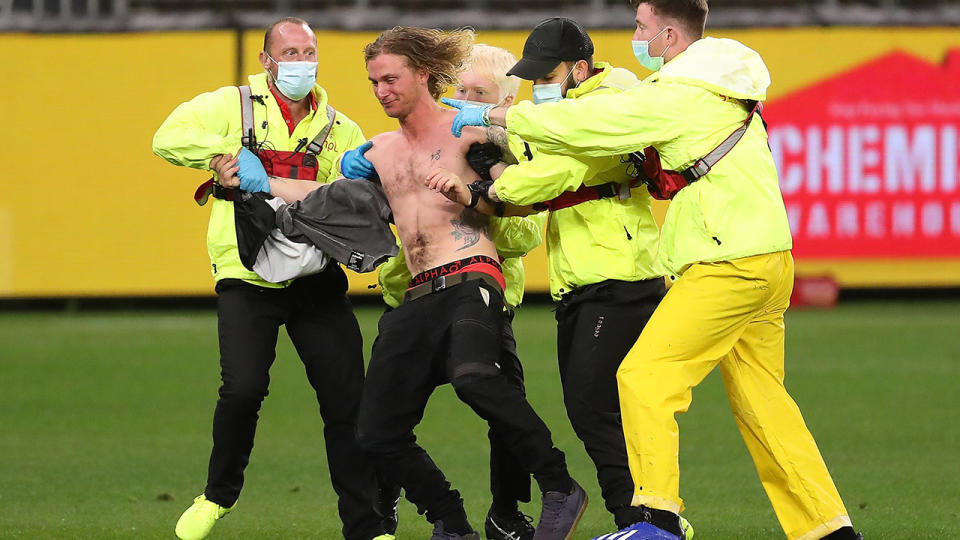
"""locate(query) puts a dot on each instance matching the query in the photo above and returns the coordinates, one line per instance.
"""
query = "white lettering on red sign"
(869, 160)
(864, 159)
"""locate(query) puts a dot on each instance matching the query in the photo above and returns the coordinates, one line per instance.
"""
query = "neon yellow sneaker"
(197, 521)
(687, 528)
(386, 537)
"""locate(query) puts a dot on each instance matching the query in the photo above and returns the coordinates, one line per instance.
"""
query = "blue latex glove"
(469, 115)
(354, 165)
(253, 177)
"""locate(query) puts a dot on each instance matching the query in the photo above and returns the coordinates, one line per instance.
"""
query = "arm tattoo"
(436, 155)
(498, 136)
(468, 227)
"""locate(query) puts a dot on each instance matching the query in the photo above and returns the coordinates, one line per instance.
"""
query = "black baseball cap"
(554, 40)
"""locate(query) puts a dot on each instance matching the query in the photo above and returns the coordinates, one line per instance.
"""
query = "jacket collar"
(605, 76)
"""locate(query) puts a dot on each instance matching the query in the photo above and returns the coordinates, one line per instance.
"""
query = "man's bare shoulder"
(386, 138)
(384, 144)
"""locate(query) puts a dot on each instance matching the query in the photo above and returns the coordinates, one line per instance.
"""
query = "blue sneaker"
(640, 531)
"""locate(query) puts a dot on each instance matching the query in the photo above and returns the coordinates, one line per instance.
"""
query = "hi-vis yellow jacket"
(513, 236)
(685, 110)
(210, 124)
(597, 240)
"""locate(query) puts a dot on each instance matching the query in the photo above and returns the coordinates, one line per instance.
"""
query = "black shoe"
(440, 534)
(560, 514)
(387, 502)
(515, 526)
(844, 533)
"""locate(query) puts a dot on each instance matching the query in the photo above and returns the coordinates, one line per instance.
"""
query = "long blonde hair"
(441, 54)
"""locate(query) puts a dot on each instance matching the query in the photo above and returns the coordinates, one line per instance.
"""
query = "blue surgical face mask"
(641, 50)
(295, 79)
(548, 93)
(483, 103)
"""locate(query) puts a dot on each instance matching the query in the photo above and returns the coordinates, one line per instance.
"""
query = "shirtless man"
(449, 327)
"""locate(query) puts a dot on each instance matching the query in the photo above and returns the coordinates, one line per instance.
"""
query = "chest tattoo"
(436, 155)
(468, 227)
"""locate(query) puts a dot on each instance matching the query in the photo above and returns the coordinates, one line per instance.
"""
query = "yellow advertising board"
(87, 209)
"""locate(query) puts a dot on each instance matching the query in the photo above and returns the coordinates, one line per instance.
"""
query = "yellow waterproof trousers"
(728, 313)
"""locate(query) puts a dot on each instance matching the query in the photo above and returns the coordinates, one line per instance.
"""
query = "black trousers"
(509, 482)
(596, 327)
(454, 335)
(321, 324)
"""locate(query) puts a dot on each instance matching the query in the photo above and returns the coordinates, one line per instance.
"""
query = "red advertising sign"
(869, 160)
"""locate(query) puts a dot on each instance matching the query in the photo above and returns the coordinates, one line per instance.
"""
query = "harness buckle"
(605, 191)
(700, 168)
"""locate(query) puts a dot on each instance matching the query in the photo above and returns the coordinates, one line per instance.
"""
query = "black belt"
(440, 283)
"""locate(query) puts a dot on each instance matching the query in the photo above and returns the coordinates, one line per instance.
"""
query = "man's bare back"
(433, 230)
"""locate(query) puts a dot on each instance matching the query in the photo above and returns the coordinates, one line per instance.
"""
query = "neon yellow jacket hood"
(723, 66)
(684, 111)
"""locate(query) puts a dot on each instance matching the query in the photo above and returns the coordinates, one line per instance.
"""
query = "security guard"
(484, 80)
(601, 252)
(727, 238)
(292, 133)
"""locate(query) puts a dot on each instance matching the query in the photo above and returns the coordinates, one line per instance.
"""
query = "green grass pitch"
(105, 428)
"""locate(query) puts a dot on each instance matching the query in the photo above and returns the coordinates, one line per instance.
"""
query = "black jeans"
(596, 327)
(454, 335)
(321, 324)
(509, 482)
